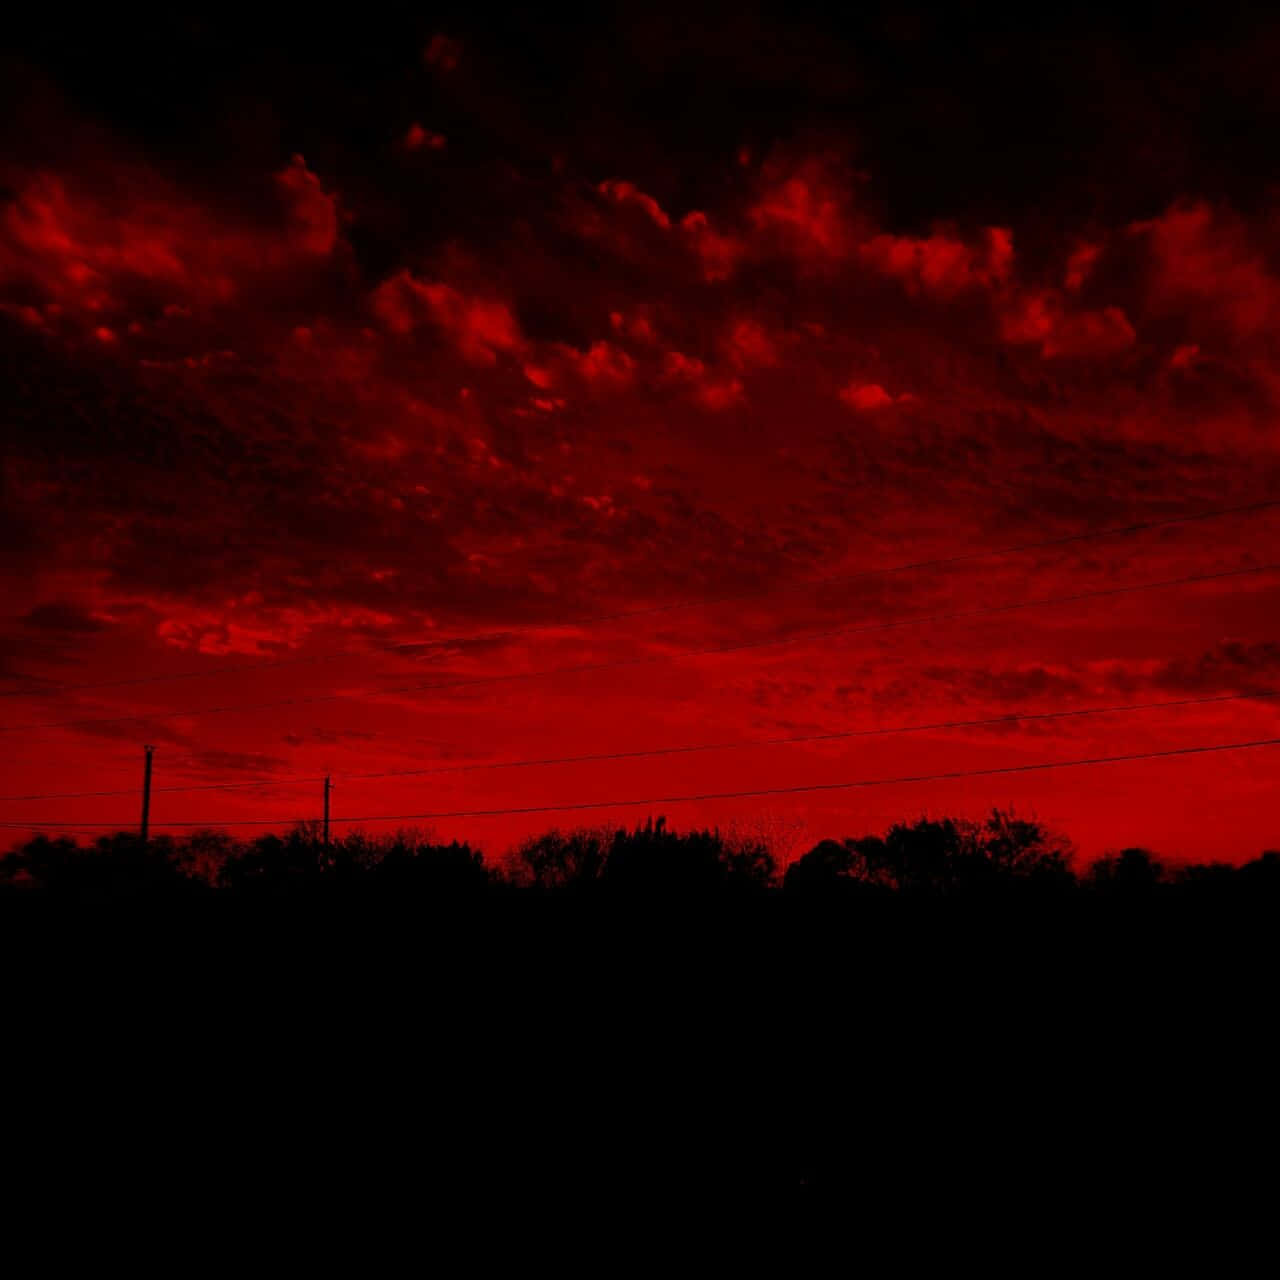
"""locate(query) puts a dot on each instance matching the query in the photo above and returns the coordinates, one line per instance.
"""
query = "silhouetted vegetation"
(927, 859)
(644, 1015)
(941, 857)
(650, 861)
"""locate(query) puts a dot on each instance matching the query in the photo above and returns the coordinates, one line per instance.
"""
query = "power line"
(641, 753)
(54, 688)
(575, 806)
(673, 656)
(199, 786)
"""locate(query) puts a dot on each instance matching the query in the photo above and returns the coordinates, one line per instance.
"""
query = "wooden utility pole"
(146, 794)
(328, 787)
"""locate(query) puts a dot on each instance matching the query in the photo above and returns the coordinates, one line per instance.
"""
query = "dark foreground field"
(350, 1057)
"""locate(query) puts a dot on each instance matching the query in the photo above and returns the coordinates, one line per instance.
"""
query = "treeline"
(929, 858)
(641, 1017)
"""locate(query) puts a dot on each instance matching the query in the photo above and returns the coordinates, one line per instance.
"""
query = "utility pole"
(146, 794)
(328, 787)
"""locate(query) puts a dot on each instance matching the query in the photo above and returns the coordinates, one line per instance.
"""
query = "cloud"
(717, 252)
(1042, 318)
(443, 52)
(799, 212)
(865, 397)
(719, 394)
(636, 325)
(602, 363)
(63, 616)
(1080, 265)
(707, 389)
(1025, 687)
(678, 366)
(313, 212)
(1206, 270)
(942, 265)
(804, 212)
(481, 328)
(1228, 666)
(750, 346)
(419, 139)
(110, 254)
(78, 251)
(1089, 334)
(627, 193)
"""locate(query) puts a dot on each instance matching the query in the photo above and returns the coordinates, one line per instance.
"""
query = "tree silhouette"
(1262, 875)
(831, 866)
(939, 857)
(560, 860)
(277, 864)
(411, 866)
(1132, 872)
(114, 866)
(1010, 847)
(653, 860)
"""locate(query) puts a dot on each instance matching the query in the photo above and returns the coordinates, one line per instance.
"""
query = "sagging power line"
(702, 797)
(682, 749)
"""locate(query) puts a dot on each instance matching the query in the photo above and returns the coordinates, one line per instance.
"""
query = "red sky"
(336, 367)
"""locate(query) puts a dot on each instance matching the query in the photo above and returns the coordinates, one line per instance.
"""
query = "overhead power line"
(960, 615)
(688, 749)
(56, 688)
(698, 797)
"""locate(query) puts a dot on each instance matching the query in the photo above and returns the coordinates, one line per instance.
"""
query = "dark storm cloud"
(1028, 686)
(236, 762)
(1231, 664)
(64, 617)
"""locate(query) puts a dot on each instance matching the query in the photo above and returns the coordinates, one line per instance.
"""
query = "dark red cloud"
(1041, 318)
(627, 193)
(481, 328)
(803, 210)
(1207, 270)
(76, 245)
(941, 264)
(443, 52)
(419, 139)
